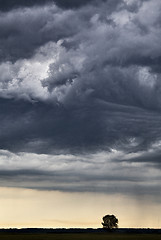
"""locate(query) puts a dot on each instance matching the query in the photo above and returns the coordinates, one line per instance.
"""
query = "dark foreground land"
(61, 234)
(80, 236)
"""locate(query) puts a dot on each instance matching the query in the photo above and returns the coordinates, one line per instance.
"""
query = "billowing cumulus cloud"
(77, 80)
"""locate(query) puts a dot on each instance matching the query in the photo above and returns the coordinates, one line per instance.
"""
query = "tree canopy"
(110, 221)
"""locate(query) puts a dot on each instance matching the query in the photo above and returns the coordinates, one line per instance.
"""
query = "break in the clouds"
(80, 92)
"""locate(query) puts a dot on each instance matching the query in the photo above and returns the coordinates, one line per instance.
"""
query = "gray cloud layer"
(82, 172)
(80, 79)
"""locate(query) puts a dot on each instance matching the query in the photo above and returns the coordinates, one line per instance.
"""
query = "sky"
(80, 112)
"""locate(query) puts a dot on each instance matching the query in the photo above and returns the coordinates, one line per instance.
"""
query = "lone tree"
(109, 222)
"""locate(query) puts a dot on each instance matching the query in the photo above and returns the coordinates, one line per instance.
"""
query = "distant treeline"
(81, 230)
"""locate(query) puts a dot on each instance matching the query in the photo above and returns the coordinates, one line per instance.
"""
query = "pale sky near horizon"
(80, 112)
(22, 208)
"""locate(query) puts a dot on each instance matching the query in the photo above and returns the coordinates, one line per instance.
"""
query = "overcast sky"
(80, 96)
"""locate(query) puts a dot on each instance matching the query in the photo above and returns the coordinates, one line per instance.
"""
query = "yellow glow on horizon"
(23, 208)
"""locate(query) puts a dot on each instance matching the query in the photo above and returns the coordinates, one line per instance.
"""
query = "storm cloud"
(80, 79)
(81, 173)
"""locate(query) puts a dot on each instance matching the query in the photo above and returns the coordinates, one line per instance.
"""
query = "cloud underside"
(80, 85)
(108, 172)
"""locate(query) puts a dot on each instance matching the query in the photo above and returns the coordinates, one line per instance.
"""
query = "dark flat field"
(79, 236)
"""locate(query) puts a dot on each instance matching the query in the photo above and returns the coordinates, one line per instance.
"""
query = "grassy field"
(80, 236)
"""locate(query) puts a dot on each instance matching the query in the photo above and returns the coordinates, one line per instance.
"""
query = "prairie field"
(79, 236)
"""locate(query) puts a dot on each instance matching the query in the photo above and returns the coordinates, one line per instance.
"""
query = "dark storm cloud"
(24, 124)
(72, 3)
(80, 77)
(25, 29)
(150, 157)
(22, 31)
(12, 4)
(45, 128)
